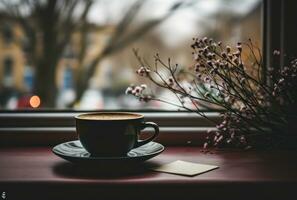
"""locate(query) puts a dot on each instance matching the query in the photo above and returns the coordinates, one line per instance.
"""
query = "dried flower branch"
(219, 77)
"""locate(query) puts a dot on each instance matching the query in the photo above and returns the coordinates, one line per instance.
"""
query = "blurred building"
(16, 72)
(95, 39)
(12, 56)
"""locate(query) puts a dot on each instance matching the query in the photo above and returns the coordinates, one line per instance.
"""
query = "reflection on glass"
(78, 54)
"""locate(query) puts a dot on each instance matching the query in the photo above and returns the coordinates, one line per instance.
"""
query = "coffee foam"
(109, 116)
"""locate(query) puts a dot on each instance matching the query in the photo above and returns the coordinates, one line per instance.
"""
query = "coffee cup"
(112, 133)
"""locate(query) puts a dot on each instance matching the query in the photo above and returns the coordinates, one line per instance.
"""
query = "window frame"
(46, 122)
(61, 121)
(50, 128)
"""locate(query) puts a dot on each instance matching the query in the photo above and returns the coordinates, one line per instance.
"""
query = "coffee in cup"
(112, 133)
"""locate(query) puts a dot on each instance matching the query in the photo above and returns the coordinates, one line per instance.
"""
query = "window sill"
(35, 172)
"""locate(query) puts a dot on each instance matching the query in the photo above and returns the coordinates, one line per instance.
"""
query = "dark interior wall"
(289, 30)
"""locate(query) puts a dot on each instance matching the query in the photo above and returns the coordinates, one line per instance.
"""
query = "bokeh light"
(35, 101)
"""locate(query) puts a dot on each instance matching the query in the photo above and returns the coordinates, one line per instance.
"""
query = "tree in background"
(49, 25)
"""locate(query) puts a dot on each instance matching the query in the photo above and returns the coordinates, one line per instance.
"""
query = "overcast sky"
(181, 25)
(113, 10)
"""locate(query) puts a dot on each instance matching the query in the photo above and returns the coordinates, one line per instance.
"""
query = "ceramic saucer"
(74, 152)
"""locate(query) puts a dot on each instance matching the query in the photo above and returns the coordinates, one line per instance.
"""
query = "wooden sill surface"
(36, 173)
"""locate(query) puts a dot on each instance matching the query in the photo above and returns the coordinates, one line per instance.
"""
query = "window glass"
(78, 54)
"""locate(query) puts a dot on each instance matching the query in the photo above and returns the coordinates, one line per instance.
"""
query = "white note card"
(185, 168)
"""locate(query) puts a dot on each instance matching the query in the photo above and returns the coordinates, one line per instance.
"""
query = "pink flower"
(276, 52)
(143, 71)
(143, 86)
(129, 90)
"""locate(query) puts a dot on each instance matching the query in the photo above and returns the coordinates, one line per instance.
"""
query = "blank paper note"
(185, 168)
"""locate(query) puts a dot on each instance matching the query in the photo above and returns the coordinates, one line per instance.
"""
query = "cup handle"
(144, 125)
